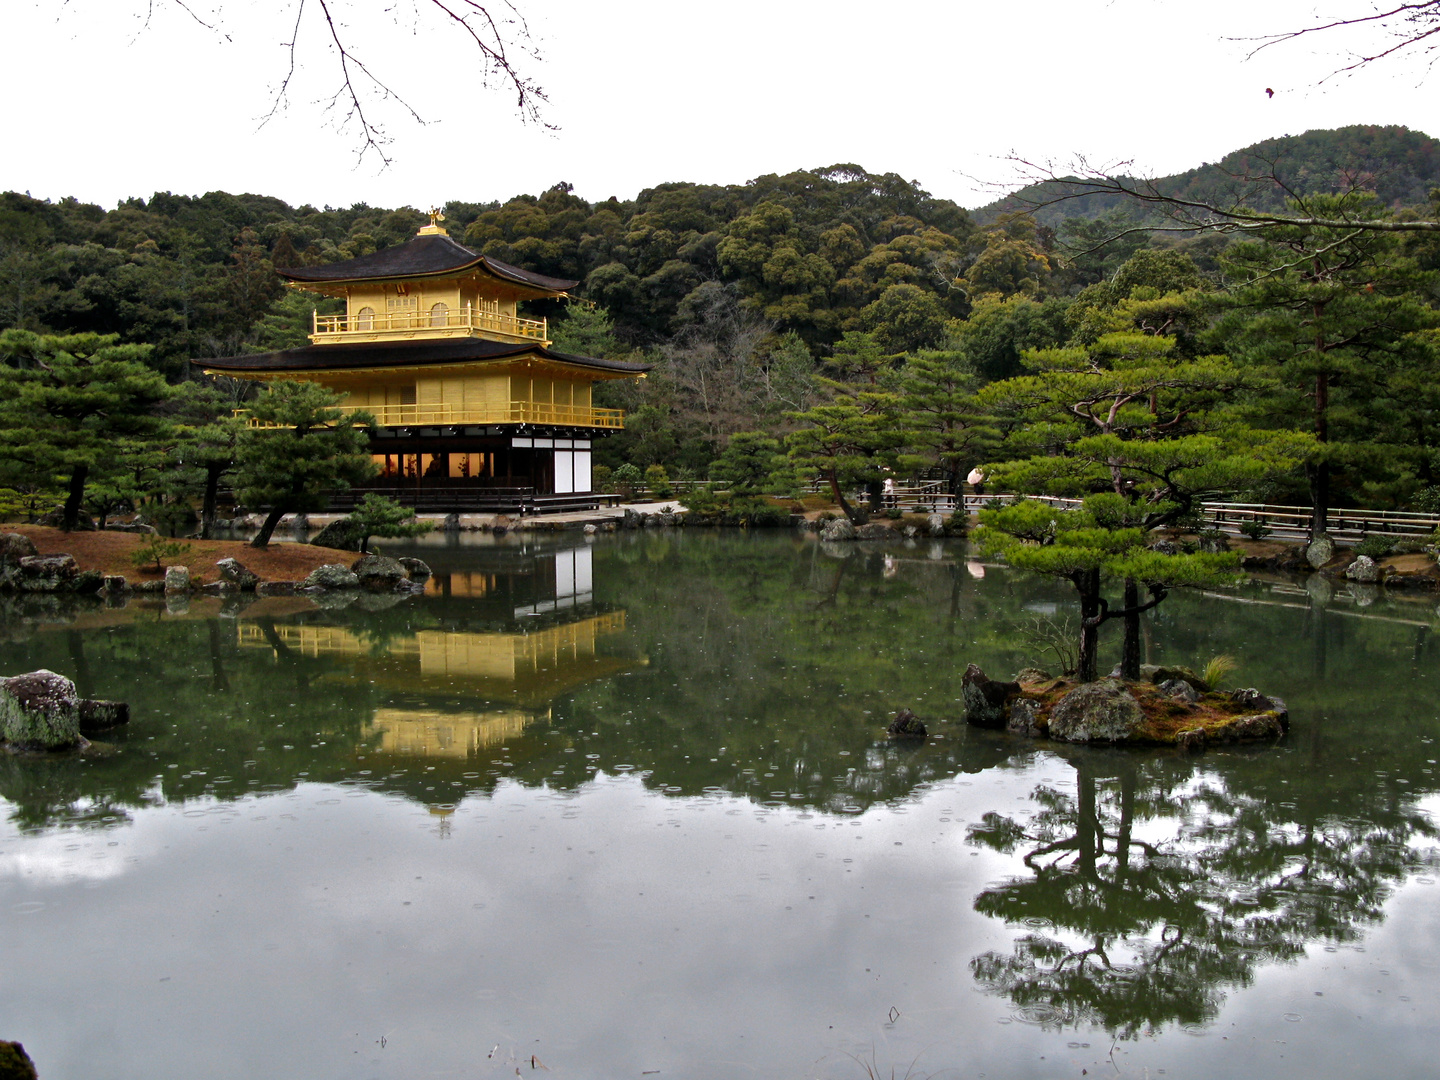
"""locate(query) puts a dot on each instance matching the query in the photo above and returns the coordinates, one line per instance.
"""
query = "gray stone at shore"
(238, 575)
(39, 711)
(97, 715)
(838, 529)
(1319, 551)
(1102, 711)
(277, 588)
(415, 569)
(46, 573)
(177, 579)
(1024, 718)
(935, 524)
(331, 576)
(378, 573)
(985, 698)
(1180, 690)
(14, 547)
(1363, 570)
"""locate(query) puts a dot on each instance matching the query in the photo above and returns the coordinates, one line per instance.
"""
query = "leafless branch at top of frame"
(499, 33)
(1408, 25)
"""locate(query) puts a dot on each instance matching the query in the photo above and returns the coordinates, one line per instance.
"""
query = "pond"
(622, 807)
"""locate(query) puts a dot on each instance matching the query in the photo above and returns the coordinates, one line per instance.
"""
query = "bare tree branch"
(498, 32)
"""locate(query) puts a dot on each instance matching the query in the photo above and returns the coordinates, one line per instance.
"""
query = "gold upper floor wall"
(428, 309)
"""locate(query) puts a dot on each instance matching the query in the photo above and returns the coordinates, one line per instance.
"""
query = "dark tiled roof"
(403, 354)
(422, 256)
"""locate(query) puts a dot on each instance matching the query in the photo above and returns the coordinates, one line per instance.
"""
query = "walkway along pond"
(625, 804)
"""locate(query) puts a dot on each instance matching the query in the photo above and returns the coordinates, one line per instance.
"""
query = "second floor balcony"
(513, 412)
(439, 321)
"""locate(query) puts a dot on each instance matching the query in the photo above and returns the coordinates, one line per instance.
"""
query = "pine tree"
(1334, 318)
(302, 449)
(1156, 434)
(66, 402)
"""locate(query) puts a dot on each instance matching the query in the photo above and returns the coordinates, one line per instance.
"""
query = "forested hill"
(1401, 166)
(813, 253)
(810, 251)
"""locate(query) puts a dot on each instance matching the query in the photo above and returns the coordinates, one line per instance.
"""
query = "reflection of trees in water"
(1151, 891)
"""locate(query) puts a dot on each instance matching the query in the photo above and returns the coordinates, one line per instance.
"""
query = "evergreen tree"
(944, 425)
(377, 515)
(66, 401)
(1154, 432)
(1332, 316)
(302, 449)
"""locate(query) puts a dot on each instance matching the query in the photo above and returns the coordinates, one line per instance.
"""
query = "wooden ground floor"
(476, 469)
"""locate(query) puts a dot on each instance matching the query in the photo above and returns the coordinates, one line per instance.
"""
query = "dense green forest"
(833, 324)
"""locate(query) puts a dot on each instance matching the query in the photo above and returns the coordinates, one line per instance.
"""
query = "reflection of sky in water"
(727, 927)
(607, 932)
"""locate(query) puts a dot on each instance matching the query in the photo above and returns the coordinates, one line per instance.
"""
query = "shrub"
(657, 482)
(1256, 529)
(158, 550)
(1376, 547)
(627, 478)
(600, 478)
(894, 514)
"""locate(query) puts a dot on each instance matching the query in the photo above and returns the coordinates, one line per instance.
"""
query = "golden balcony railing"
(514, 412)
(332, 328)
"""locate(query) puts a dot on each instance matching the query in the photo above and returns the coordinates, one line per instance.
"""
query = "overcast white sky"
(104, 106)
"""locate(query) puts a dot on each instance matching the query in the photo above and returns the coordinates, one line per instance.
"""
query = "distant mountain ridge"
(1400, 165)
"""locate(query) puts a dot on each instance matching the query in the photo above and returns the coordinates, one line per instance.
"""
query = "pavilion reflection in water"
(517, 634)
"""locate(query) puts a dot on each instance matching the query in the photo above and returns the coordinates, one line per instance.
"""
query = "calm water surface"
(623, 808)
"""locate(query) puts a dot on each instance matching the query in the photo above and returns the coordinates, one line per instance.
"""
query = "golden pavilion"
(475, 411)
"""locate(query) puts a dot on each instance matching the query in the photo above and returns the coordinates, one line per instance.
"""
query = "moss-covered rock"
(1103, 711)
(39, 711)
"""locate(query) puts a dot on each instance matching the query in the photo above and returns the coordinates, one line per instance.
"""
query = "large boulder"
(838, 529)
(331, 576)
(1319, 551)
(14, 547)
(378, 573)
(935, 524)
(416, 569)
(875, 531)
(1102, 711)
(985, 698)
(1363, 570)
(237, 575)
(177, 579)
(342, 535)
(46, 573)
(39, 711)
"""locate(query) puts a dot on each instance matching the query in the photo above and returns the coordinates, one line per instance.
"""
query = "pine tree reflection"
(1153, 890)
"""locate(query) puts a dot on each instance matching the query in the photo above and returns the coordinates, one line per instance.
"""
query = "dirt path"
(109, 552)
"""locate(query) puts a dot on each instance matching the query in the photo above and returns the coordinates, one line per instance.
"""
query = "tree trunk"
(839, 497)
(262, 538)
(876, 491)
(1319, 475)
(71, 516)
(1088, 582)
(212, 494)
(1130, 649)
(1320, 471)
